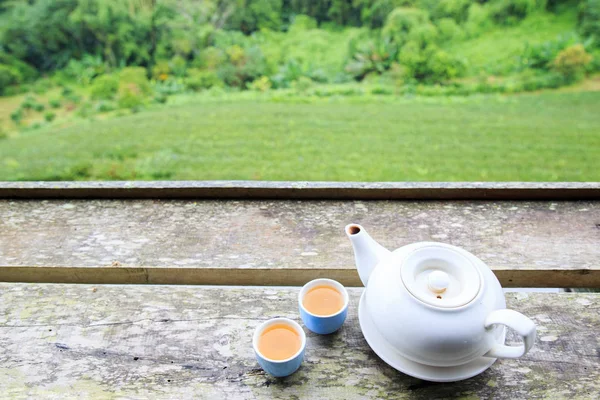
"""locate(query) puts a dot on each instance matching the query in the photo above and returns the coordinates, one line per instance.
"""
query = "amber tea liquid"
(323, 300)
(279, 342)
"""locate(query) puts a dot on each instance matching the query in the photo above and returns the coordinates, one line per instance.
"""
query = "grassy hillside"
(545, 137)
(496, 50)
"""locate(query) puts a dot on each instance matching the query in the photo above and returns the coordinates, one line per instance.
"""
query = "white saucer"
(392, 357)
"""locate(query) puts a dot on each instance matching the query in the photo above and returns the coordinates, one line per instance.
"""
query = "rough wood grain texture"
(186, 236)
(304, 190)
(79, 341)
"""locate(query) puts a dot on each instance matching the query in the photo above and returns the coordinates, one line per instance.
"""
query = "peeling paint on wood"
(67, 341)
(162, 241)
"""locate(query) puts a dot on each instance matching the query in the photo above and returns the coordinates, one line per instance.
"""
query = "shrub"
(382, 90)
(161, 70)
(25, 71)
(370, 54)
(17, 116)
(170, 86)
(39, 107)
(178, 65)
(8, 76)
(457, 10)
(54, 103)
(134, 87)
(161, 98)
(403, 20)
(425, 35)
(431, 65)
(28, 103)
(83, 71)
(105, 106)
(104, 87)
(262, 84)
(228, 73)
(540, 56)
(510, 11)
(130, 96)
(137, 76)
(302, 84)
(236, 55)
(442, 66)
(202, 79)
(571, 63)
(49, 116)
(589, 20)
(302, 23)
(212, 58)
(477, 19)
(448, 29)
(66, 91)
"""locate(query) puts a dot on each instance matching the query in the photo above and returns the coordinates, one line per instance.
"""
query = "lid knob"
(438, 281)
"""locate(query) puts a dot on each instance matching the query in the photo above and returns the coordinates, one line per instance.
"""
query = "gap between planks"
(534, 278)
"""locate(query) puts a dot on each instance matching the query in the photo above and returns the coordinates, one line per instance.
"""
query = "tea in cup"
(279, 345)
(323, 305)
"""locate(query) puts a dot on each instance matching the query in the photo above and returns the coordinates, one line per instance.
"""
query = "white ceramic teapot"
(432, 310)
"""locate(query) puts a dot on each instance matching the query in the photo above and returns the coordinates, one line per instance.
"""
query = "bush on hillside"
(448, 29)
(202, 79)
(104, 87)
(589, 20)
(136, 76)
(289, 72)
(9, 76)
(370, 54)
(572, 62)
(211, 58)
(401, 21)
(430, 65)
(540, 56)
(302, 23)
(457, 10)
(477, 19)
(161, 70)
(25, 71)
(508, 12)
(262, 84)
(134, 87)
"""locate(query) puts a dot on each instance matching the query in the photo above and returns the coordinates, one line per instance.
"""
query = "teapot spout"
(367, 252)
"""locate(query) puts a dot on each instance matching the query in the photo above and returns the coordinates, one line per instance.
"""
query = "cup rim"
(259, 329)
(330, 282)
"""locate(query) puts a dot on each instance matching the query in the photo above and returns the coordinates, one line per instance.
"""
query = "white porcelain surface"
(435, 304)
(394, 359)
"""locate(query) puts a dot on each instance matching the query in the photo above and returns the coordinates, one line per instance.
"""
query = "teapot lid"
(441, 276)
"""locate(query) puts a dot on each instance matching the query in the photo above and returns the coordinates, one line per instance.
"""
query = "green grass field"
(537, 137)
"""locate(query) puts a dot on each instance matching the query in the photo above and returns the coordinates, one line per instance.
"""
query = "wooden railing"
(94, 339)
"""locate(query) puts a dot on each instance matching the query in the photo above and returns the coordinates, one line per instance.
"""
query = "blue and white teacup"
(326, 324)
(279, 368)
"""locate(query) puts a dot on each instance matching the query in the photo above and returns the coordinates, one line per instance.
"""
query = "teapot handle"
(516, 321)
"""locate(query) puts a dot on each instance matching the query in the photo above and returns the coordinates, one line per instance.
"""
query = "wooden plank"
(61, 341)
(178, 241)
(509, 278)
(155, 236)
(305, 190)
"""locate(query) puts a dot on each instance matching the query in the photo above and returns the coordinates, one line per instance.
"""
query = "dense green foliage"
(547, 137)
(244, 40)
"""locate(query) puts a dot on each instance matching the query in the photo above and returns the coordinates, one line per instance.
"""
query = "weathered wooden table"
(107, 294)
